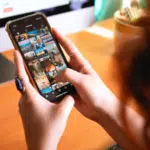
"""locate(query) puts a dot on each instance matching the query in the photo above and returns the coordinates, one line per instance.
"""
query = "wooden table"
(96, 44)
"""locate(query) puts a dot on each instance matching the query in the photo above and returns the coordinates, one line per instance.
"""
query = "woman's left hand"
(43, 122)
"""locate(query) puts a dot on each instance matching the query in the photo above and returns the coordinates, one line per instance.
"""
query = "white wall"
(67, 23)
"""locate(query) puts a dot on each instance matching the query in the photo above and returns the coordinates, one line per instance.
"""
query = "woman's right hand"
(96, 102)
(92, 94)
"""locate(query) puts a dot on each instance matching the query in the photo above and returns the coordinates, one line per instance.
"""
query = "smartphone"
(42, 55)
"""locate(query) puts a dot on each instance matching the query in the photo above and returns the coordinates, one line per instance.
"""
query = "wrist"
(108, 108)
(43, 146)
(48, 143)
(102, 116)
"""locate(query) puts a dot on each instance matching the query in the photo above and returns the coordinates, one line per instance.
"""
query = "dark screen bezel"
(32, 17)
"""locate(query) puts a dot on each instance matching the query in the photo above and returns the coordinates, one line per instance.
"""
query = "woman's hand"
(92, 94)
(43, 122)
(95, 101)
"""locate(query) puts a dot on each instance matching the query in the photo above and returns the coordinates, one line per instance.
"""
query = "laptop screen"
(12, 9)
(17, 7)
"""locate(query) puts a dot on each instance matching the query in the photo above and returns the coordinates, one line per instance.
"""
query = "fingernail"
(14, 54)
(52, 29)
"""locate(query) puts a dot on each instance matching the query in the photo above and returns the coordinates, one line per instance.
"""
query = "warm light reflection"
(127, 3)
(100, 31)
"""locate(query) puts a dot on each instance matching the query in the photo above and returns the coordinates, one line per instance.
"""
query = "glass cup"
(129, 40)
(132, 53)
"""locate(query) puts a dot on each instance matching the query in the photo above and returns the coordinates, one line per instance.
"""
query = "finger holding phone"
(44, 122)
(57, 85)
(39, 60)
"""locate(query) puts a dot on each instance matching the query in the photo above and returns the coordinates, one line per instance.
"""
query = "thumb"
(21, 72)
(67, 104)
(69, 75)
(19, 66)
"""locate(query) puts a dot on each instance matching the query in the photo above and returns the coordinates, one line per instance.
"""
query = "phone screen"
(42, 55)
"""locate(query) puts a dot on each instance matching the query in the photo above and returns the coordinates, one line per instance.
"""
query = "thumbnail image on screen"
(43, 58)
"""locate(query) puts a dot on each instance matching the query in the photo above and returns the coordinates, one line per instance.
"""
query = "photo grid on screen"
(43, 58)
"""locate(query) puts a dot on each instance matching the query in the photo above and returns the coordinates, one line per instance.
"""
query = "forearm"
(123, 124)
(42, 146)
(49, 142)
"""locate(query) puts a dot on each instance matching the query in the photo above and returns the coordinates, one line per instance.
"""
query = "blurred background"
(97, 45)
(69, 16)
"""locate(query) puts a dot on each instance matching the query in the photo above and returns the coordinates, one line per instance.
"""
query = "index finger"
(77, 61)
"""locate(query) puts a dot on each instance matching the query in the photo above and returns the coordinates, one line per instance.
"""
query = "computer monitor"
(12, 9)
